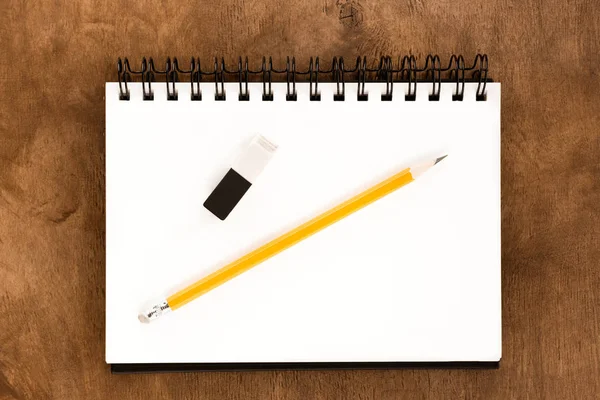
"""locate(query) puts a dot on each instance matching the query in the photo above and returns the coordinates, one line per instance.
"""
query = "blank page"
(414, 276)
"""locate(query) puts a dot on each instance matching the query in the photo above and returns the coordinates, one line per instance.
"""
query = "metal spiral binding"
(243, 78)
(267, 93)
(291, 95)
(338, 77)
(435, 72)
(409, 74)
(314, 78)
(362, 79)
(386, 67)
(220, 81)
(405, 70)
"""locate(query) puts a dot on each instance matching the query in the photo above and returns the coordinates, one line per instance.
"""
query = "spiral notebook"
(412, 279)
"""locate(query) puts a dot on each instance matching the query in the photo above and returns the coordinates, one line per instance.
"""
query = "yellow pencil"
(285, 241)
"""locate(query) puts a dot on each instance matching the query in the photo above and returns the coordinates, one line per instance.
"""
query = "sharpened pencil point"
(440, 159)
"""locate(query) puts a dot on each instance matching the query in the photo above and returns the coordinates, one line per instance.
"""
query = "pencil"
(285, 241)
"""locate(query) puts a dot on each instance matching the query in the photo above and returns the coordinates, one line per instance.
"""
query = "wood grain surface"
(54, 59)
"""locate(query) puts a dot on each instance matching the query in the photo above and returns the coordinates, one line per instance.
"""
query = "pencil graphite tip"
(440, 159)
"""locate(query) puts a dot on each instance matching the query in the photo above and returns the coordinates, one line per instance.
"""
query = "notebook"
(412, 279)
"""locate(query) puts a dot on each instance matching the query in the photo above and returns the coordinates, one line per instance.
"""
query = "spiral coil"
(405, 70)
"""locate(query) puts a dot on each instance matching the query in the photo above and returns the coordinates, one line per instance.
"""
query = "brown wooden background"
(54, 59)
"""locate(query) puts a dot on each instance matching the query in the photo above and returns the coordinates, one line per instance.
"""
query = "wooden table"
(55, 57)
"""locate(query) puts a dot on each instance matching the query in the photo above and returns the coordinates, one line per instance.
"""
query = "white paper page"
(414, 276)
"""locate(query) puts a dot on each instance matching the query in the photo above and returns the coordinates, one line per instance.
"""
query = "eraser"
(240, 177)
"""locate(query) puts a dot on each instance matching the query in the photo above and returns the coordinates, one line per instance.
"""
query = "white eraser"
(240, 177)
(251, 162)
